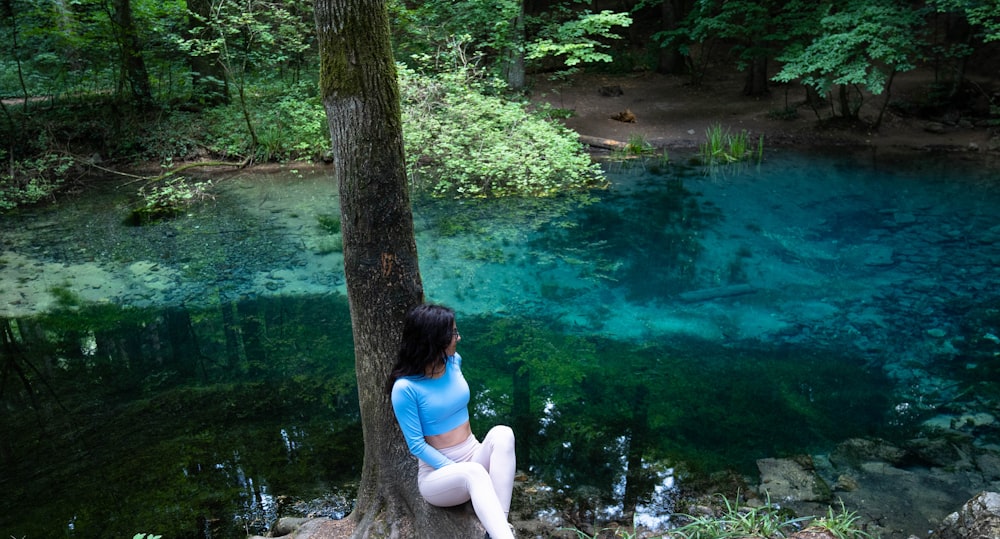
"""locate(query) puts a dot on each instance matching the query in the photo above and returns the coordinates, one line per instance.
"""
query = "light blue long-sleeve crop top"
(428, 406)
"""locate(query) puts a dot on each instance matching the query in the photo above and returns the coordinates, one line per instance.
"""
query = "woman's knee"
(502, 437)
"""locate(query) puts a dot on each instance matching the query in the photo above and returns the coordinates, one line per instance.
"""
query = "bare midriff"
(454, 436)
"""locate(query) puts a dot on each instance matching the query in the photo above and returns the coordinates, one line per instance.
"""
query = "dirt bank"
(671, 113)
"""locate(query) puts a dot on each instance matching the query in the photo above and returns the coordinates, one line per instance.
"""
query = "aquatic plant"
(768, 520)
(723, 147)
(842, 524)
(638, 151)
(328, 223)
(168, 198)
(618, 532)
(637, 145)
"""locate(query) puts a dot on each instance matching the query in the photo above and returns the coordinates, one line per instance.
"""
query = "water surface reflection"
(194, 377)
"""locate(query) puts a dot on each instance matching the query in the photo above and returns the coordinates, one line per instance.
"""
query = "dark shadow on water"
(210, 422)
(585, 405)
(185, 423)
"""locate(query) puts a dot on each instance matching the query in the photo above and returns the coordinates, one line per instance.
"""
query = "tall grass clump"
(724, 147)
(767, 521)
(842, 524)
(638, 151)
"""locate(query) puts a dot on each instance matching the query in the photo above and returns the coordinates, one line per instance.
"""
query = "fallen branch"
(606, 143)
(186, 166)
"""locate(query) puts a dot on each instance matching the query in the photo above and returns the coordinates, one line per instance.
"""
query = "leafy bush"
(464, 139)
(289, 120)
(31, 180)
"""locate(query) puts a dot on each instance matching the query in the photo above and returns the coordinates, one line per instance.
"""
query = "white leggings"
(483, 472)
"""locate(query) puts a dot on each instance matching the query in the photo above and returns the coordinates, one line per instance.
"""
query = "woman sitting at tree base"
(430, 398)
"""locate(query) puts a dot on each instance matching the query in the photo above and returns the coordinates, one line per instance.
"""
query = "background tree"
(134, 75)
(956, 29)
(509, 36)
(361, 99)
(671, 59)
(209, 84)
(863, 46)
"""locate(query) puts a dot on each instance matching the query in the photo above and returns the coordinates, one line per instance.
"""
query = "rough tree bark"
(361, 98)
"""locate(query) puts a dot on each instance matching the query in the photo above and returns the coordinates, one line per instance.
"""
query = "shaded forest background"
(94, 85)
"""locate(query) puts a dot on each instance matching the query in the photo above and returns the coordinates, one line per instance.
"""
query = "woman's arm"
(404, 404)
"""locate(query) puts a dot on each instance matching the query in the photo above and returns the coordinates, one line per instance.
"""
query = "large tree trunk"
(361, 98)
(755, 84)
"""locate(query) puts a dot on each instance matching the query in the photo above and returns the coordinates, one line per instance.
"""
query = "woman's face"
(455, 337)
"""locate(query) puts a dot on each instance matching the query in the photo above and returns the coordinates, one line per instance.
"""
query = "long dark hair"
(427, 332)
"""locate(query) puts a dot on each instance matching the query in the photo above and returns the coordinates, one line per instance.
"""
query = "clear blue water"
(195, 376)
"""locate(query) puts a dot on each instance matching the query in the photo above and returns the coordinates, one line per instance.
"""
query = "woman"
(431, 400)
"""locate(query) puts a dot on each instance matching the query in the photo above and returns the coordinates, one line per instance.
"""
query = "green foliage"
(756, 27)
(167, 198)
(724, 147)
(31, 180)
(251, 36)
(766, 521)
(289, 120)
(842, 524)
(464, 139)
(562, 34)
(862, 43)
(146, 536)
(982, 15)
(577, 40)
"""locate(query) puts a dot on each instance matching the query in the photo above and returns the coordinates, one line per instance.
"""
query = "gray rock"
(979, 518)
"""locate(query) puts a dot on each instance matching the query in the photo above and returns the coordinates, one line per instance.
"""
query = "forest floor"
(672, 113)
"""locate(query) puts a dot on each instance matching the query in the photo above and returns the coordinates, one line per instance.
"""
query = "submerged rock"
(855, 451)
(792, 480)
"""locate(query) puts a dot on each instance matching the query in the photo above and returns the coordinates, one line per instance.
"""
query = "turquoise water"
(194, 377)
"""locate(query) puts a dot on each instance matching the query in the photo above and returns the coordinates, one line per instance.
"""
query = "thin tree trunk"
(361, 98)
(756, 80)
(209, 83)
(513, 64)
(671, 60)
(133, 65)
(885, 102)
